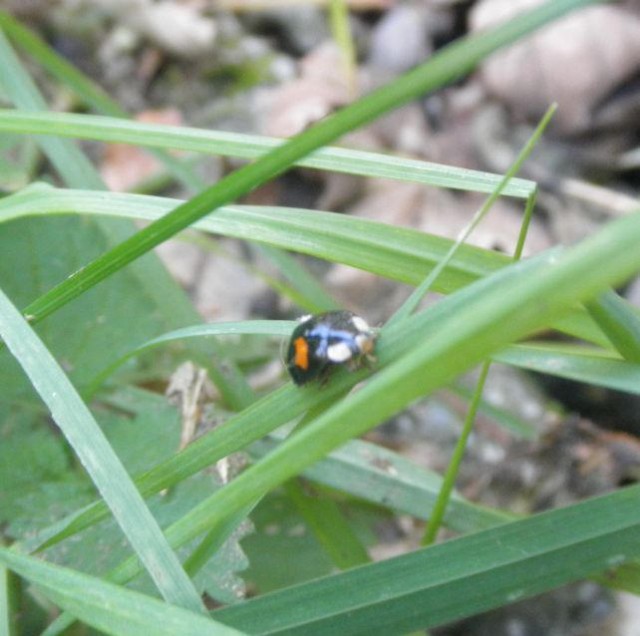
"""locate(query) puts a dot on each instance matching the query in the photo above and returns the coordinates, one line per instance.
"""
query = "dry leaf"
(124, 166)
(320, 89)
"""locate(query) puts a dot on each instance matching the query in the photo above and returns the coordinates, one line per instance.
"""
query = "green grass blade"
(97, 456)
(329, 526)
(494, 313)
(451, 473)
(92, 94)
(439, 509)
(9, 602)
(385, 478)
(73, 166)
(398, 253)
(357, 162)
(109, 608)
(455, 579)
(87, 90)
(410, 305)
(341, 32)
(575, 363)
(449, 64)
(616, 319)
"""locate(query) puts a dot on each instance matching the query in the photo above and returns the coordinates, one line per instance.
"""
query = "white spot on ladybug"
(305, 318)
(339, 352)
(360, 323)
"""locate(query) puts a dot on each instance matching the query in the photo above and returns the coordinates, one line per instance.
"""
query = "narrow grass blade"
(575, 363)
(385, 478)
(97, 456)
(329, 527)
(398, 253)
(339, 21)
(441, 504)
(451, 473)
(410, 305)
(109, 608)
(9, 602)
(74, 167)
(621, 324)
(357, 162)
(455, 579)
(449, 64)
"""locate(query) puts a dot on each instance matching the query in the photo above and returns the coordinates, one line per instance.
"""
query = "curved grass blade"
(410, 305)
(575, 363)
(398, 253)
(212, 142)
(97, 456)
(448, 64)
(459, 578)
(112, 609)
(228, 144)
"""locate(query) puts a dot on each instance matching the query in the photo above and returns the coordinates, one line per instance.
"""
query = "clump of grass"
(490, 304)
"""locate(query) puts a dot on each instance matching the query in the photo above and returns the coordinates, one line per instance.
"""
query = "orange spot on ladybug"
(301, 359)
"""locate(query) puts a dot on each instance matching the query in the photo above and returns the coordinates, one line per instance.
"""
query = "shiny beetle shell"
(321, 342)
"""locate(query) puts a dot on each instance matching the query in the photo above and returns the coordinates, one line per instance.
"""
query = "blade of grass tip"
(97, 456)
(619, 323)
(339, 21)
(410, 305)
(450, 63)
(448, 483)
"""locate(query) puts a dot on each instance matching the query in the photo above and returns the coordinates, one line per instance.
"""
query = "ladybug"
(321, 342)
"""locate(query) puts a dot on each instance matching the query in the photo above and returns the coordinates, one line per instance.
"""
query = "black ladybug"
(323, 341)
